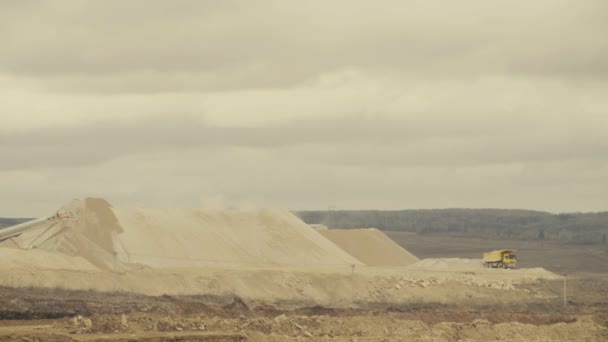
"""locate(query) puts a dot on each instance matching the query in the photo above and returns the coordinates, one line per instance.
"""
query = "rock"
(398, 287)
(87, 323)
(480, 321)
(280, 318)
(239, 307)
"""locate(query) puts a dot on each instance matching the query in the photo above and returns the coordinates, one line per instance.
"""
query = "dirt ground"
(32, 314)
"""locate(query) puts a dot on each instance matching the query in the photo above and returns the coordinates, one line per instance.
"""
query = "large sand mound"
(267, 255)
(370, 246)
(104, 235)
(181, 237)
(43, 260)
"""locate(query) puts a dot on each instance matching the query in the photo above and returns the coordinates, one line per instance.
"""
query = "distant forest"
(573, 228)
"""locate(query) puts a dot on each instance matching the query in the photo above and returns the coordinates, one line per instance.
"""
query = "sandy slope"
(268, 255)
(371, 246)
(37, 260)
(188, 237)
(183, 238)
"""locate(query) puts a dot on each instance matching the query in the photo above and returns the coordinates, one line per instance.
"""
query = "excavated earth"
(125, 274)
(60, 315)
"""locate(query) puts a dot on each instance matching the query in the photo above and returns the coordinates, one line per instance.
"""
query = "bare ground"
(469, 310)
(31, 314)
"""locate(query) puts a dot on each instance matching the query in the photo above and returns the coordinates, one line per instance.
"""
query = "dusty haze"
(302, 105)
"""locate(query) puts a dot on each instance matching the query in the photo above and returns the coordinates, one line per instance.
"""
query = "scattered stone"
(281, 318)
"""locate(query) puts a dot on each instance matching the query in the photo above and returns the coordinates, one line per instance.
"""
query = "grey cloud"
(179, 178)
(101, 141)
(344, 141)
(399, 104)
(224, 45)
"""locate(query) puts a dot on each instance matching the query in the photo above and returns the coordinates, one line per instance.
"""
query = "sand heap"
(87, 234)
(476, 265)
(370, 246)
(160, 238)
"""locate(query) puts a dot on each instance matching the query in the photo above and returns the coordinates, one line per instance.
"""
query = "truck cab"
(509, 258)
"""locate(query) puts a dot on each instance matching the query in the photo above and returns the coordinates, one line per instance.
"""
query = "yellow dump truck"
(503, 258)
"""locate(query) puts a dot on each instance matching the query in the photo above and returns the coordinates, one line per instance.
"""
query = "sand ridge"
(263, 254)
(126, 238)
(194, 237)
(370, 246)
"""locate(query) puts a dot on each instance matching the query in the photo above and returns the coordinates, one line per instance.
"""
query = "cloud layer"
(404, 104)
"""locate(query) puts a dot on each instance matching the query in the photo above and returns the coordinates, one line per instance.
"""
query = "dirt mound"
(20, 259)
(111, 237)
(448, 264)
(190, 238)
(263, 255)
(370, 246)
(476, 266)
(88, 234)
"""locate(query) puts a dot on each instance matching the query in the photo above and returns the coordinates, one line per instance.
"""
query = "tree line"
(568, 228)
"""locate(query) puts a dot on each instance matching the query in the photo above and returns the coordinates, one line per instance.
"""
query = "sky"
(304, 104)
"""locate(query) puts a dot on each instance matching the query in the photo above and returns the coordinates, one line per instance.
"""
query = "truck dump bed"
(495, 256)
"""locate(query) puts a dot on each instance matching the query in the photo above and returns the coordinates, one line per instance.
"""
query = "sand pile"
(87, 234)
(476, 266)
(268, 255)
(370, 246)
(43, 260)
(446, 264)
(104, 235)
(184, 237)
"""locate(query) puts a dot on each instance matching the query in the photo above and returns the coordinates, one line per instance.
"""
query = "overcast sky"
(304, 104)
